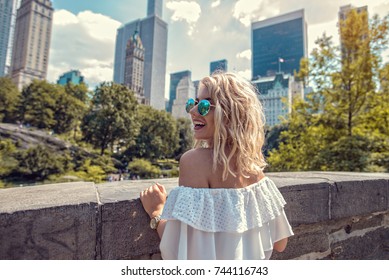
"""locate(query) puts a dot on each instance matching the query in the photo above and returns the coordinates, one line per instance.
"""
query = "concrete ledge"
(335, 215)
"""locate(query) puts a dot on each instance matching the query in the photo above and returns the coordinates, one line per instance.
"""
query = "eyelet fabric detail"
(225, 209)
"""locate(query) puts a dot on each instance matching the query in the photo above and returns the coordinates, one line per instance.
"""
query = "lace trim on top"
(225, 210)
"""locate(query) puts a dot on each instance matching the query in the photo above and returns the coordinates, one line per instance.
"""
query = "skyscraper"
(154, 7)
(30, 55)
(344, 10)
(153, 31)
(73, 77)
(221, 65)
(175, 78)
(185, 90)
(7, 20)
(134, 67)
(363, 32)
(278, 43)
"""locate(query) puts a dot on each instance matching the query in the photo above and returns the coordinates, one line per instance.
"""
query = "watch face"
(153, 223)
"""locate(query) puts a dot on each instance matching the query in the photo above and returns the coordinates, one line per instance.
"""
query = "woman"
(225, 207)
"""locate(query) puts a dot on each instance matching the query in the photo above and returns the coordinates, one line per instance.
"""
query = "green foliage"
(167, 163)
(158, 137)
(273, 137)
(39, 162)
(111, 119)
(90, 172)
(9, 100)
(7, 157)
(343, 124)
(38, 104)
(144, 169)
(79, 91)
(68, 113)
(185, 132)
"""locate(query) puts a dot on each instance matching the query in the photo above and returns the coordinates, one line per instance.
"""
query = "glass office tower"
(278, 44)
(220, 65)
(175, 78)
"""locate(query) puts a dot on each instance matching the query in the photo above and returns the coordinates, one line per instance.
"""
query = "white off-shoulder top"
(224, 223)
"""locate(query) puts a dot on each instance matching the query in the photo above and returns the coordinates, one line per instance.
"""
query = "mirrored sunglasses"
(203, 107)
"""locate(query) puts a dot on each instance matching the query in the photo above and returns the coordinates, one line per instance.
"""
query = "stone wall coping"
(83, 220)
(75, 193)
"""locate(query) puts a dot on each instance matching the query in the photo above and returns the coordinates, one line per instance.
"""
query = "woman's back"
(196, 171)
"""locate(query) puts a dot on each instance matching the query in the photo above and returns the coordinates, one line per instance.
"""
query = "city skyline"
(31, 42)
(153, 31)
(198, 32)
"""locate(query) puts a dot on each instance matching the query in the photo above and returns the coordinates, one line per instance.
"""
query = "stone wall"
(334, 216)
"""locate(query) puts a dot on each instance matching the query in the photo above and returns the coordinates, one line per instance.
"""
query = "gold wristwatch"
(155, 221)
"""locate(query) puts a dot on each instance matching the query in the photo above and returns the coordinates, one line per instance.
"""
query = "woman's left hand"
(153, 199)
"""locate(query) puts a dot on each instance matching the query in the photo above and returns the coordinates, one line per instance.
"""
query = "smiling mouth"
(198, 125)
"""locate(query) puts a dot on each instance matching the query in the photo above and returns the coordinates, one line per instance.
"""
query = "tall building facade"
(185, 90)
(344, 10)
(175, 78)
(7, 23)
(73, 77)
(134, 67)
(5, 26)
(219, 65)
(278, 44)
(342, 16)
(153, 31)
(276, 94)
(30, 56)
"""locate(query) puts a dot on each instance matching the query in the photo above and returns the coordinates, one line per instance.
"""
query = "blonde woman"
(225, 207)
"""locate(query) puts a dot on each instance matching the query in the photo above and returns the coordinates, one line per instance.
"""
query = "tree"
(144, 169)
(111, 119)
(39, 163)
(158, 137)
(79, 91)
(7, 157)
(185, 132)
(338, 125)
(9, 100)
(68, 112)
(38, 104)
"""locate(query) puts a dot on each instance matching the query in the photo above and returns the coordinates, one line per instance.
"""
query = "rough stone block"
(125, 231)
(303, 243)
(307, 204)
(371, 246)
(60, 233)
(351, 198)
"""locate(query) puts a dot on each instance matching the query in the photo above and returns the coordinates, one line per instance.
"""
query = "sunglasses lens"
(204, 107)
(189, 105)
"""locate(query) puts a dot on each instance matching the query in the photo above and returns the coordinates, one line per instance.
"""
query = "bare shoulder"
(195, 166)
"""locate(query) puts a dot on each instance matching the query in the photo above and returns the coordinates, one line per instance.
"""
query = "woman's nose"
(194, 110)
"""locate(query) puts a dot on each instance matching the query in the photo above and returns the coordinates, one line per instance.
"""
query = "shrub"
(144, 169)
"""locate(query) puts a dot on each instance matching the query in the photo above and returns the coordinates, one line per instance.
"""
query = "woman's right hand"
(153, 199)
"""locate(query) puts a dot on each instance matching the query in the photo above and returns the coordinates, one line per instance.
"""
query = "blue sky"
(200, 31)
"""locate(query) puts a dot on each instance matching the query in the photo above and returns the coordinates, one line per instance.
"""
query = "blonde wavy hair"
(239, 125)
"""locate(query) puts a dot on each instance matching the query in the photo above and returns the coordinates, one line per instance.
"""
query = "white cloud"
(243, 10)
(98, 26)
(86, 42)
(215, 28)
(215, 4)
(185, 11)
(244, 54)
(245, 74)
(64, 17)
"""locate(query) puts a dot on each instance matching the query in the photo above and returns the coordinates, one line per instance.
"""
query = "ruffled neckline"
(225, 209)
